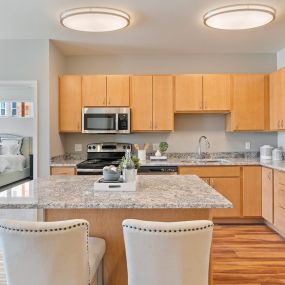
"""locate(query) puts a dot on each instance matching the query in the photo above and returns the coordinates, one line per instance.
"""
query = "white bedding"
(11, 163)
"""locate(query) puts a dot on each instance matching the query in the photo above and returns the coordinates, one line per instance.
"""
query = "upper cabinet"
(141, 103)
(70, 103)
(250, 110)
(94, 90)
(216, 92)
(102, 91)
(188, 93)
(277, 100)
(202, 93)
(118, 90)
(152, 103)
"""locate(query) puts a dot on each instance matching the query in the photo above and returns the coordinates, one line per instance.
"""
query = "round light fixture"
(94, 19)
(239, 17)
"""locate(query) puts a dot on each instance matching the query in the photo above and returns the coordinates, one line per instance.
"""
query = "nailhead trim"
(169, 231)
(44, 230)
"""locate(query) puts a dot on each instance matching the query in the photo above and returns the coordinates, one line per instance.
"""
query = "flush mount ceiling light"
(94, 19)
(239, 17)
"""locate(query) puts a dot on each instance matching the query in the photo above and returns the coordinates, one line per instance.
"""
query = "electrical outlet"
(247, 145)
(78, 147)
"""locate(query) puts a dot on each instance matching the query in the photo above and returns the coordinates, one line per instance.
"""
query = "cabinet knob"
(109, 102)
(205, 105)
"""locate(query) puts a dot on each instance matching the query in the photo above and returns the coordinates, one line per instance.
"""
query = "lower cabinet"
(240, 185)
(267, 194)
(226, 180)
(279, 201)
(62, 171)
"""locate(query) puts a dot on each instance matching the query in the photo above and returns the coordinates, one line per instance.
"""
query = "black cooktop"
(97, 164)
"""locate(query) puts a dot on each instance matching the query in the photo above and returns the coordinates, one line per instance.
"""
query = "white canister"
(266, 152)
(142, 154)
(277, 154)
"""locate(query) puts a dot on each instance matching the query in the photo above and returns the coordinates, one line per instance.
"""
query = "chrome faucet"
(203, 155)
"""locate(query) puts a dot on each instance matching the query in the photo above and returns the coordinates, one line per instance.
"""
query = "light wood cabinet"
(279, 201)
(152, 103)
(216, 92)
(62, 170)
(163, 113)
(230, 188)
(277, 100)
(226, 180)
(252, 179)
(70, 103)
(267, 194)
(250, 110)
(202, 93)
(94, 90)
(141, 103)
(118, 90)
(188, 93)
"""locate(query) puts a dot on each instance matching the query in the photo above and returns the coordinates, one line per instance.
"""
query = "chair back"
(168, 253)
(45, 252)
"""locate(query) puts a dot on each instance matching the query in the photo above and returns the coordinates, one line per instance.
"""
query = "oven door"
(99, 120)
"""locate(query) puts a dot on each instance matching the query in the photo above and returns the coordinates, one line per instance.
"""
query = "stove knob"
(93, 146)
(89, 147)
(124, 147)
(128, 147)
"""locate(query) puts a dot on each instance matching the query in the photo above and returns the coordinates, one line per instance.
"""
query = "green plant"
(135, 160)
(163, 146)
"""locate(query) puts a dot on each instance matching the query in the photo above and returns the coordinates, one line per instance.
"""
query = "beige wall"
(188, 128)
(56, 67)
(28, 60)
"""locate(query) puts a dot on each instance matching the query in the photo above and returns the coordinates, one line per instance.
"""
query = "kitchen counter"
(61, 192)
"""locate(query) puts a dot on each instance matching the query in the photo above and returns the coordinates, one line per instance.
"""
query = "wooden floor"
(242, 255)
(251, 254)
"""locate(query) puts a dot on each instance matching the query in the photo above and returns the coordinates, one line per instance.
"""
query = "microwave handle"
(117, 121)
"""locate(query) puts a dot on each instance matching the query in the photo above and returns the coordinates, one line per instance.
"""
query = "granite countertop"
(227, 161)
(167, 191)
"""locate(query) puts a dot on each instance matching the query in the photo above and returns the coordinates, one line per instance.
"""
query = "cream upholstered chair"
(50, 253)
(175, 253)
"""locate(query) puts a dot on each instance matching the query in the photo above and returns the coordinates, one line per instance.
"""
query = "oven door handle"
(79, 170)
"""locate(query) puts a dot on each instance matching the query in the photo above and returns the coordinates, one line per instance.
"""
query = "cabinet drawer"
(211, 171)
(62, 171)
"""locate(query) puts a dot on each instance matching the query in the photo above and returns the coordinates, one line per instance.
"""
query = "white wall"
(188, 128)
(280, 64)
(18, 126)
(56, 67)
(28, 60)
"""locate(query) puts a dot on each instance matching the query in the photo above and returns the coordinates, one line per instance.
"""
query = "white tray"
(158, 157)
(114, 186)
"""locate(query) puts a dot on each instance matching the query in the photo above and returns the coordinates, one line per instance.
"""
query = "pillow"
(10, 146)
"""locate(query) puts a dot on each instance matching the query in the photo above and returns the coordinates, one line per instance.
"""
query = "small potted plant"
(134, 159)
(163, 146)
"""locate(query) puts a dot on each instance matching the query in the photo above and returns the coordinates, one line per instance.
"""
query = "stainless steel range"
(100, 155)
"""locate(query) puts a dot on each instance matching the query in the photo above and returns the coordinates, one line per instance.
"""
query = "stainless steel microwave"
(106, 120)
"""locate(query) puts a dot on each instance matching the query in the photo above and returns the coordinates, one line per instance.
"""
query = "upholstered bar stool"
(45, 253)
(168, 253)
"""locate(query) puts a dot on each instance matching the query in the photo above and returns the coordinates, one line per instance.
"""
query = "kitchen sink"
(206, 160)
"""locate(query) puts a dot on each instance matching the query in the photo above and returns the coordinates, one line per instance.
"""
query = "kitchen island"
(158, 198)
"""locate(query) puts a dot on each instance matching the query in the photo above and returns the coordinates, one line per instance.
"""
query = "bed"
(16, 167)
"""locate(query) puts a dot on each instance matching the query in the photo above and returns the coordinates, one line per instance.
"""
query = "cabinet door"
(249, 102)
(252, 178)
(163, 113)
(267, 194)
(62, 171)
(94, 93)
(279, 201)
(281, 99)
(118, 90)
(188, 93)
(141, 103)
(216, 92)
(70, 103)
(230, 188)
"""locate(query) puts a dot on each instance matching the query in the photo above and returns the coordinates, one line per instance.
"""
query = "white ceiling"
(157, 27)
